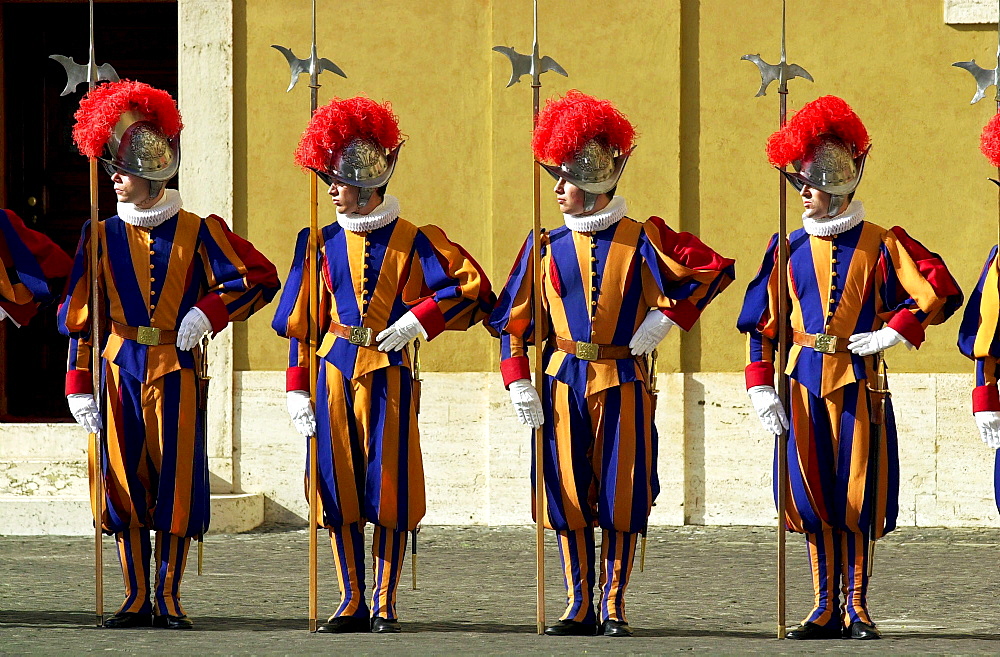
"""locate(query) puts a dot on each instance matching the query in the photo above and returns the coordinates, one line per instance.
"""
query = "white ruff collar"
(381, 216)
(165, 208)
(590, 223)
(842, 223)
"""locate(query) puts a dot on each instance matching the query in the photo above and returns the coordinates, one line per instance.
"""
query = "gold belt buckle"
(825, 344)
(587, 351)
(148, 335)
(360, 336)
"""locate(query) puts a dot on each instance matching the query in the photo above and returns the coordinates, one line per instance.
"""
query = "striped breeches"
(599, 457)
(576, 551)
(388, 551)
(370, 467)
(833, 480)
(134, 552)
(155, 461)
(839, 562)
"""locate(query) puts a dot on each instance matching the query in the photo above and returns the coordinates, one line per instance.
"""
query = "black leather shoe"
(124, 619)
(571, 628)
(862, 631)
(385, 625)
(811, 632)
(168, 622)
(615, 628)
(344, 624)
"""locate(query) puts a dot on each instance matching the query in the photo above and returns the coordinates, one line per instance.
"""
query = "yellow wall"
(673, 66)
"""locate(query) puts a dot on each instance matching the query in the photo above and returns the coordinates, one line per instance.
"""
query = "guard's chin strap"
(589, 200)
(364, 195)
(155, 187)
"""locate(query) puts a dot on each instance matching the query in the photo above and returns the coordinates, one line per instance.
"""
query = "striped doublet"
(857, 281)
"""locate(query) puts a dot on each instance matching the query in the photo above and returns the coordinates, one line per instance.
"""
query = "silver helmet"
(363, 164)
(832, 167)
(138, 147)
(594, 168)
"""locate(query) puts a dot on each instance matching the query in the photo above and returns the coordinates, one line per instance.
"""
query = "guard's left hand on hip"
(650, 333)
(866, 344)
(400, 333)
(193, 328)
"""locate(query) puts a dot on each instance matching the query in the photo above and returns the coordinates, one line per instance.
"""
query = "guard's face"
(345, 197)
(130, 189)
(815, 202)
(569, 197)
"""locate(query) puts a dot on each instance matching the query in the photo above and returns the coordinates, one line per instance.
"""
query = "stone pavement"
(706, 589)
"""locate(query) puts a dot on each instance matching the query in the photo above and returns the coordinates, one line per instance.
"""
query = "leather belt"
(147, 335)
(361, 336)
(821, 342)
(592, 351)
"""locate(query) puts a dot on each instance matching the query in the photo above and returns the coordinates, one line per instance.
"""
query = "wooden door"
(45, 179)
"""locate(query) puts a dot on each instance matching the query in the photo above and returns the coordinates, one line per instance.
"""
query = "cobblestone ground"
(703, 589)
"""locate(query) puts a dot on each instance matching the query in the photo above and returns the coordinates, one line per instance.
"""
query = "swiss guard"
(167, 277)
(385, 282)
(977, 337)
(32, 266)
(612, 287)
(857, 289)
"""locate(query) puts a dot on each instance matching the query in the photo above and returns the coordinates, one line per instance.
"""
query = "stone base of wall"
(714, 459)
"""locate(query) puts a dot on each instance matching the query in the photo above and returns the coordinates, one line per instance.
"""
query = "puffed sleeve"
(681, 275)
(977, 337)
(292, 319)
(512, 319)
(446, 289)
(74, 317)
(916, 288)
(759, 319)
(30, 265)
(240, 280)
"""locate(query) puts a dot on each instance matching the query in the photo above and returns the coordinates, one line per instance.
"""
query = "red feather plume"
(827, 115)
(336, 124)
(101, 108)
(989, 141)
(566, 124)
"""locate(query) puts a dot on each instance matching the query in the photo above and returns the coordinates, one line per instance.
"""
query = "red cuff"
(759, 373)
(684, 314)
(215, 309)
(297, 378)
(985, 398)
(80, 382)
(908, 326)
(513, 369)
(430, 317)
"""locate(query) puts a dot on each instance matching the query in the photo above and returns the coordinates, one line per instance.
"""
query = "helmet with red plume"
(136, 126)
(585, 140)
(354, 141)
(827, 145)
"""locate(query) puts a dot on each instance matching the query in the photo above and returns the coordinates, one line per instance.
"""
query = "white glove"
(400, 333)
(989, 427)
(84, 409)
(649, 334)
(3, 314)
(193, 328)
(525, 399)
(769, 409)
(866, 344)
(300, 409)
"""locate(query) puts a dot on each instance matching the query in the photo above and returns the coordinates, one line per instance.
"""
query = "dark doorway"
(45, 180)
